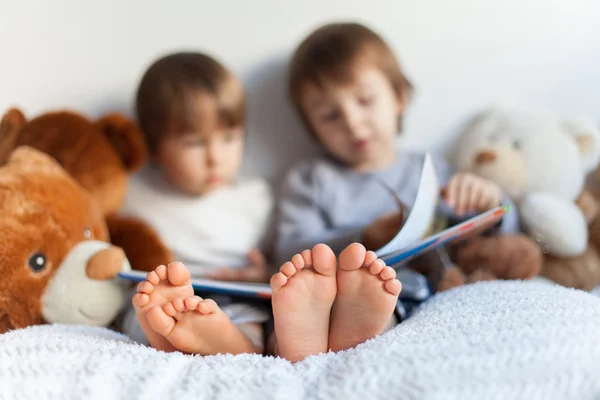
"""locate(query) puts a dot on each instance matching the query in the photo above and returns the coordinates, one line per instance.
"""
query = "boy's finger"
(223, 274)
(464, 195)
(484, 201)
(475, 198)
(451, 192)
(256, 257)
(252, 274)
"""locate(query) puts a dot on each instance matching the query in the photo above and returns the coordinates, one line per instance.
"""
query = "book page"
(460, 231)
(421, 216)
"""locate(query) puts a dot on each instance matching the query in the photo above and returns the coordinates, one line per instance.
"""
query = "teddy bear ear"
(10, 126)
(586, 134)
(126, 138)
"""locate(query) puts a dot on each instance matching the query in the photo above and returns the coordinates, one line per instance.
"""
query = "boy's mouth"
(360, 145)
(213, 180)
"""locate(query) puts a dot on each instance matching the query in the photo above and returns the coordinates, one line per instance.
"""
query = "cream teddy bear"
(542, 163)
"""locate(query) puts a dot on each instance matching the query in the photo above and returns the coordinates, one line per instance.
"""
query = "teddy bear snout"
(105, 264)
(485, 157)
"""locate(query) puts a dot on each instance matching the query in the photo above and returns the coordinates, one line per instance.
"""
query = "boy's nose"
(213, 155)
(356, 121)
(354, 128)
(357, 132)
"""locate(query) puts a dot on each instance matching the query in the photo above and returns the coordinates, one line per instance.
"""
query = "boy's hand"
(467, 193)
(257, 271)
(382, 230)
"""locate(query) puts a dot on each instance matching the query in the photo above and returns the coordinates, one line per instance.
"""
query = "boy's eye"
(366, 100)
(195, 142)
(330, 116)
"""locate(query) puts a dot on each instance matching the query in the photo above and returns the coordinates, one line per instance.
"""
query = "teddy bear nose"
(484, 157)
(105, 264)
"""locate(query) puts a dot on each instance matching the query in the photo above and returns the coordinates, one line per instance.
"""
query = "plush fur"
(44, 216)
(582, 271)
(542, 163)
(493, 257)
(100, 156)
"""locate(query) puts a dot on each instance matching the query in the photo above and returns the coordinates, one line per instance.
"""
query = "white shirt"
(204, 232)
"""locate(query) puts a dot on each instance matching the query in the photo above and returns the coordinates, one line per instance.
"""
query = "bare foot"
(161, 286)
(367, 292)
(197, 326)
(303, 294)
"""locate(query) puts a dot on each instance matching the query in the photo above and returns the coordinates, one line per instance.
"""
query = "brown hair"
(331, 51)
(185, 92)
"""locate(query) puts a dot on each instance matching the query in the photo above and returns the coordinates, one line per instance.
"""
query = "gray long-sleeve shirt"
(325, 202)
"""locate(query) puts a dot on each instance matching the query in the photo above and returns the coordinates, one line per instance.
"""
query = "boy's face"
(356, 122)
(198, 164)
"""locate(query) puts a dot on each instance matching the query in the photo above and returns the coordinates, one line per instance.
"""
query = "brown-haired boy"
(191, 111)
(349, 90)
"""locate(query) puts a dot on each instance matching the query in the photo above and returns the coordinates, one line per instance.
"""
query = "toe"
(140, 300)
(353, 257)
(387, 273)
(278, 281)
(145, 287)
(288, 269)
(161, 272)
(191, 303)
(393, 286)
(169, 309)
(207, 306)
(307, 257)
(377, 267)
(298, 262)
(153, 277)
(369, 258)
(178, 274)
(158, 320)
(179, 305)
(323, 260)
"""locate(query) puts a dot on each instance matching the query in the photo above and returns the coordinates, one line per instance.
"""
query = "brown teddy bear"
(582, 271)
(100, 156)
(494, 257)
(55, 261)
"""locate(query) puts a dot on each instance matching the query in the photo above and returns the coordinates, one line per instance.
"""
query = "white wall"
(460, 54)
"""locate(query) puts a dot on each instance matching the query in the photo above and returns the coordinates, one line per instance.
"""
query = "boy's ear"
(400, 107)
(10, 126)
(401, 104)
(126, 138)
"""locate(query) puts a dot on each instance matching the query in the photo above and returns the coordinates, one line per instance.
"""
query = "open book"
(236, 289)
(417, 236)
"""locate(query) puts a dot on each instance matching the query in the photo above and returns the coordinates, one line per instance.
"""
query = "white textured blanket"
(496, 340)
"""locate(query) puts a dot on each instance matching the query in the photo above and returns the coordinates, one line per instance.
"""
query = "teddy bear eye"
(516, 144)
(37, 262)
(87, 233)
